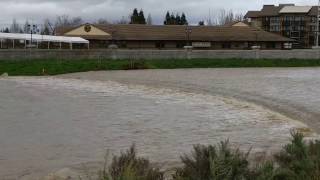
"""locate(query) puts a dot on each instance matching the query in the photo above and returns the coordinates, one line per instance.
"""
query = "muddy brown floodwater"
(49, 123)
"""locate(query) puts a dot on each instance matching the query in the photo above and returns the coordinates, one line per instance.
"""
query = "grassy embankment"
(55, 66)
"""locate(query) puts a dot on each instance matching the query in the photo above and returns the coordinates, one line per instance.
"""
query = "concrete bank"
(23, 54)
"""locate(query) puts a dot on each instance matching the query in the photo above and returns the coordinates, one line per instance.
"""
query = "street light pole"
(188, 32)
(31, 33)
(317, 25)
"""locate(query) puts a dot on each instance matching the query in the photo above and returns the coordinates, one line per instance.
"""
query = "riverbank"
(56, 66)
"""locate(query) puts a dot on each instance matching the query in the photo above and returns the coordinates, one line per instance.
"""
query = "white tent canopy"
(43, 38)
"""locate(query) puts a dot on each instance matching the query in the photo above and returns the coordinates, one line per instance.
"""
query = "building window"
(180, 44)
(123, 44)
(226, 45)
(271, 45)
(160, 44)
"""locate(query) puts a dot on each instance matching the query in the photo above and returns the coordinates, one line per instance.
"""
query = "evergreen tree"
(184, 19)
(6, 30)
(141, 18)
(172, 20)
(175, 20)
(178, 19)
(134, 17)
(201, 23)
(167, 20)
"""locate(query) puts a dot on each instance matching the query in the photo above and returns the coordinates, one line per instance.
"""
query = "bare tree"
(62, 21)
(102, 21)
(76, 21)
(26, 27)
(46, 29)
(224, 17)
(239, 17)
(149, 20)
(123, 20)
(15, 27)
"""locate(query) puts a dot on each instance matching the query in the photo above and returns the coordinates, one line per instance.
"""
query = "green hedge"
(55, 66)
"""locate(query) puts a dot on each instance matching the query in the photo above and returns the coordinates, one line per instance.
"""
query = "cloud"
(38, 10)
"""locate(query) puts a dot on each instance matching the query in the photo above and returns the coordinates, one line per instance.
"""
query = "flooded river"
(48, 123)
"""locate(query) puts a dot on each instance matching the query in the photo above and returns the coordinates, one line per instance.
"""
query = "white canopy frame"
(42, 38)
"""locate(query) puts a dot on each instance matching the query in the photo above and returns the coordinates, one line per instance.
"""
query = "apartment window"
(288, 19)
(313, 28)
(287, 28)
(295, 34)
(274, 20)
(298, 18)
(298, 28)
(275, 28)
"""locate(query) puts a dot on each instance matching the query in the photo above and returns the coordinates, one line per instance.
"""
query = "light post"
(188, 32)
(32, 30)
(317, 25)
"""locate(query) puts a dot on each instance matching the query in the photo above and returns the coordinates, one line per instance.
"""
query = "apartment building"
(295, 22)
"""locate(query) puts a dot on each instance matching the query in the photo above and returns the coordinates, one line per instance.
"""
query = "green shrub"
(129, 167)
(297, 160)
(135, 64)
(300, 158)
(211, 162)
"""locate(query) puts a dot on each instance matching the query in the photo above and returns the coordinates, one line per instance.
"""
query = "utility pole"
(317, 25)
(188, 32)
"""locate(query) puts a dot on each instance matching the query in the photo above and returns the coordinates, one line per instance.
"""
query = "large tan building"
(175, 37)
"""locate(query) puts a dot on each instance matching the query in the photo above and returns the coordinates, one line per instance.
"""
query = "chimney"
(268, 5)
(283, 5)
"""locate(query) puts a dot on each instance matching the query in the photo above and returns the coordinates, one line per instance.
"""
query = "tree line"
(49, 27)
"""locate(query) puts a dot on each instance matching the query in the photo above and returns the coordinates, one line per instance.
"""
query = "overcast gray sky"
(37, 10)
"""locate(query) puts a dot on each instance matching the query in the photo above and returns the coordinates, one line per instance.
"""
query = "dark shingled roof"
(252, 14)
(270, 10)
(176, 33)
(313, 11)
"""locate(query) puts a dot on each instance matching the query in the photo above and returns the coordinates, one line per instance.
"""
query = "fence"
(158, 54)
